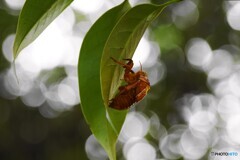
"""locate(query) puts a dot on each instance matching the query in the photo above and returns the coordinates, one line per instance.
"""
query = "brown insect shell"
(143, 84)
(135, 90)
(130, 77)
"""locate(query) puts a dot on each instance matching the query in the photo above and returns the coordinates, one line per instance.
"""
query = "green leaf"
(35, 16)
(92, 104)
(122, 43)
(53, 76)
(168, 36)
(115, 34)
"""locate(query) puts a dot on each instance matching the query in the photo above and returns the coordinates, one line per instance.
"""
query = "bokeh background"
(191, 54)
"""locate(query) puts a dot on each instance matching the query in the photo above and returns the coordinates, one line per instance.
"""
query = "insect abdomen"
(123, 101)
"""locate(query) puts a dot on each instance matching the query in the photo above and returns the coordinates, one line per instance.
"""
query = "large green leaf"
(35, 16)
(115, 34)
(122, 43)
(89, 79)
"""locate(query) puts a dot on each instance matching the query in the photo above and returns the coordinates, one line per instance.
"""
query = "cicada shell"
(135, 90)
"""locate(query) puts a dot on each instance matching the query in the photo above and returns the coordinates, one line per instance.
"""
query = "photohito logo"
(224, 154)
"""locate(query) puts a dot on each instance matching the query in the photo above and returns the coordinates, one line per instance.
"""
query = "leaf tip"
(15, 50)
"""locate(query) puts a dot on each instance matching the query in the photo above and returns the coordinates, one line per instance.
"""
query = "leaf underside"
(89, 78)
(121, 44)
(115, 34)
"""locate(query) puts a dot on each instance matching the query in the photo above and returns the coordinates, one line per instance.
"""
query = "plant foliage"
(115, 34)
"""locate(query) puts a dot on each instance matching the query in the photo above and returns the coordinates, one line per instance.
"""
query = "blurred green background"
(192, 109)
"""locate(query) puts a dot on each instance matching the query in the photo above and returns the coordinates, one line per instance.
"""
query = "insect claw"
(130, 61)
(127, 59)
(113, 59)
(116, 61)
(128, 66)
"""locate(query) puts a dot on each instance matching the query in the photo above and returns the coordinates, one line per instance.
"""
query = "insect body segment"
(136, 88)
